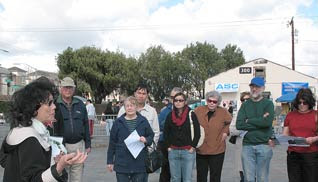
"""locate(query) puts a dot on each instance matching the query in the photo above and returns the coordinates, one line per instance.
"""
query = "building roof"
(4, 70)
(16, 69)
(263, 60)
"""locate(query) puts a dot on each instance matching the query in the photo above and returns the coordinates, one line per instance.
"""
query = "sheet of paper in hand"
(134, 144)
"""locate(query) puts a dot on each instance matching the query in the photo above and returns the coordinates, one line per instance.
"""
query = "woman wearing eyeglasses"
(216, 121)
(26, 151)
(302, 162)
(177, 134)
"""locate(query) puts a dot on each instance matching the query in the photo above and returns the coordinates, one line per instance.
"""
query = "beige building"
(235, 81)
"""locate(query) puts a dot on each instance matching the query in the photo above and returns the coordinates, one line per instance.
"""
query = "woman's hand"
(143, 139)
(311, 140)
(110, 167)
(191, 150)
(70, 159)
(224, 136)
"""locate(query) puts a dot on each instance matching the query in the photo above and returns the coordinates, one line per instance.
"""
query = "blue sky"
(310, 11)
(1, 7)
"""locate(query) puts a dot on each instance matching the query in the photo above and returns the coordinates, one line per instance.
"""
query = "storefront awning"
(289, 97)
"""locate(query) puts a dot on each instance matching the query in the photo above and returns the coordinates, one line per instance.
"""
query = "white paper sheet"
(57, 146)
(292, 141)
(134, 144)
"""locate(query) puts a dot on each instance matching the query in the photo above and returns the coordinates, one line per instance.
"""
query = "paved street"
(95, 167)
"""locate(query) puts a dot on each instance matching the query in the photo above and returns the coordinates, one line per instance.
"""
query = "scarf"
(41, 129)
(180, 120)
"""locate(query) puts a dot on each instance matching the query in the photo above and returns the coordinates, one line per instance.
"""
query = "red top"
(302, 125)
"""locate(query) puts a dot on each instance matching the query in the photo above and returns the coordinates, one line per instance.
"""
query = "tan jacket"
(219, 123)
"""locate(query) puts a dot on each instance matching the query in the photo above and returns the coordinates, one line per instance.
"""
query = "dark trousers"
(130, 177)
(212, 162)
(165, 169)
(302, 167)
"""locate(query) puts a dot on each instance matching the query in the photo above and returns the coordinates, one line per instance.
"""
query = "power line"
(217, 24)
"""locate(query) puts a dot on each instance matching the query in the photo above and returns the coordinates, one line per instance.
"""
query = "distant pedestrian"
(91, 116)
(256, 117)
(119, 158)
(107, 119)
(302, 162)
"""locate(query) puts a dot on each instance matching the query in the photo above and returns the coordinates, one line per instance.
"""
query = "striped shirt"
(131, 124)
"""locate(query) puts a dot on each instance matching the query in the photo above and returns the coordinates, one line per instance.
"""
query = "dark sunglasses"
(212, 101)
(178, 100)
(304, 103)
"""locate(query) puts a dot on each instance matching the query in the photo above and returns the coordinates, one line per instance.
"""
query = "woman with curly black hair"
(26, 151)
(302, 162)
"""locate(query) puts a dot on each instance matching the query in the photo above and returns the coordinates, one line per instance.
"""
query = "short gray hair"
(213, 94)
(177, 90)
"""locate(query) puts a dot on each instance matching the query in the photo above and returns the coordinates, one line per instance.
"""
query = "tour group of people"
(187, 138)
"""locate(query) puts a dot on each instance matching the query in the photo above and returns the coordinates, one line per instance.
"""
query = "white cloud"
(133, 26)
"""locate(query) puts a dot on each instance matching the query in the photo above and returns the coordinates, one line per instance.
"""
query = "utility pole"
(291, 23)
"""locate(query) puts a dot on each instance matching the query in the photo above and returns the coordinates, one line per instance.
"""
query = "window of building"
(260, 71)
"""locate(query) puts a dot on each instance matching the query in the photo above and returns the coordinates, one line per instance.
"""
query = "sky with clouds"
(35, 32)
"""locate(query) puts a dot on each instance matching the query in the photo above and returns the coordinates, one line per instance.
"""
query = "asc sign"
(226, 87)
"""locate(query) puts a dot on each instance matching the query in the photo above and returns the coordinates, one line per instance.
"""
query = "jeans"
(181, 165)
(255, 161)
(130, 177)
(302, 166)
(109, 125)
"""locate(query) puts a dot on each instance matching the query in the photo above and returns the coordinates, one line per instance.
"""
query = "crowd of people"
(30, 148)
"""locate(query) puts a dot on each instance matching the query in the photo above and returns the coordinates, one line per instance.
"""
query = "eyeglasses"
(212, 101)
(303, 103)
(172, 96)
(178, 100)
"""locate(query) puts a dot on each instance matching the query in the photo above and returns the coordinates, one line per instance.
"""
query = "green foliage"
(101, 72)
(4, 107)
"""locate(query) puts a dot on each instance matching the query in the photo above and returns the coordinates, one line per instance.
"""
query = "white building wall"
(275, 75)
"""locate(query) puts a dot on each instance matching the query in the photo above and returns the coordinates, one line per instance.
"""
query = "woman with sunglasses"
(26, 151)
(302, 162)
(177, 135)
(216, 121)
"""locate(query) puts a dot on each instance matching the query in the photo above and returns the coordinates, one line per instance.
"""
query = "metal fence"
(103, 124)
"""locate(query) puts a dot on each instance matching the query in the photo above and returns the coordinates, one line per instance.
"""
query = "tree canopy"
(100, 72)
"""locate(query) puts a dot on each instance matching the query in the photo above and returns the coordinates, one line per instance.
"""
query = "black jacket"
(27, 161)
(181, 135)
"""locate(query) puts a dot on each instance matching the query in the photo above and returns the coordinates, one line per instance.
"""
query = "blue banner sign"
(226, 87)
(288, 87)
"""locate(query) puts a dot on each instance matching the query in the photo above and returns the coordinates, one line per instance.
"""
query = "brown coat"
(219, 123)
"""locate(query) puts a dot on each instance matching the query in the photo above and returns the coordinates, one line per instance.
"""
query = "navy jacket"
(118, 153)
(162, 118)
(72, 125)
